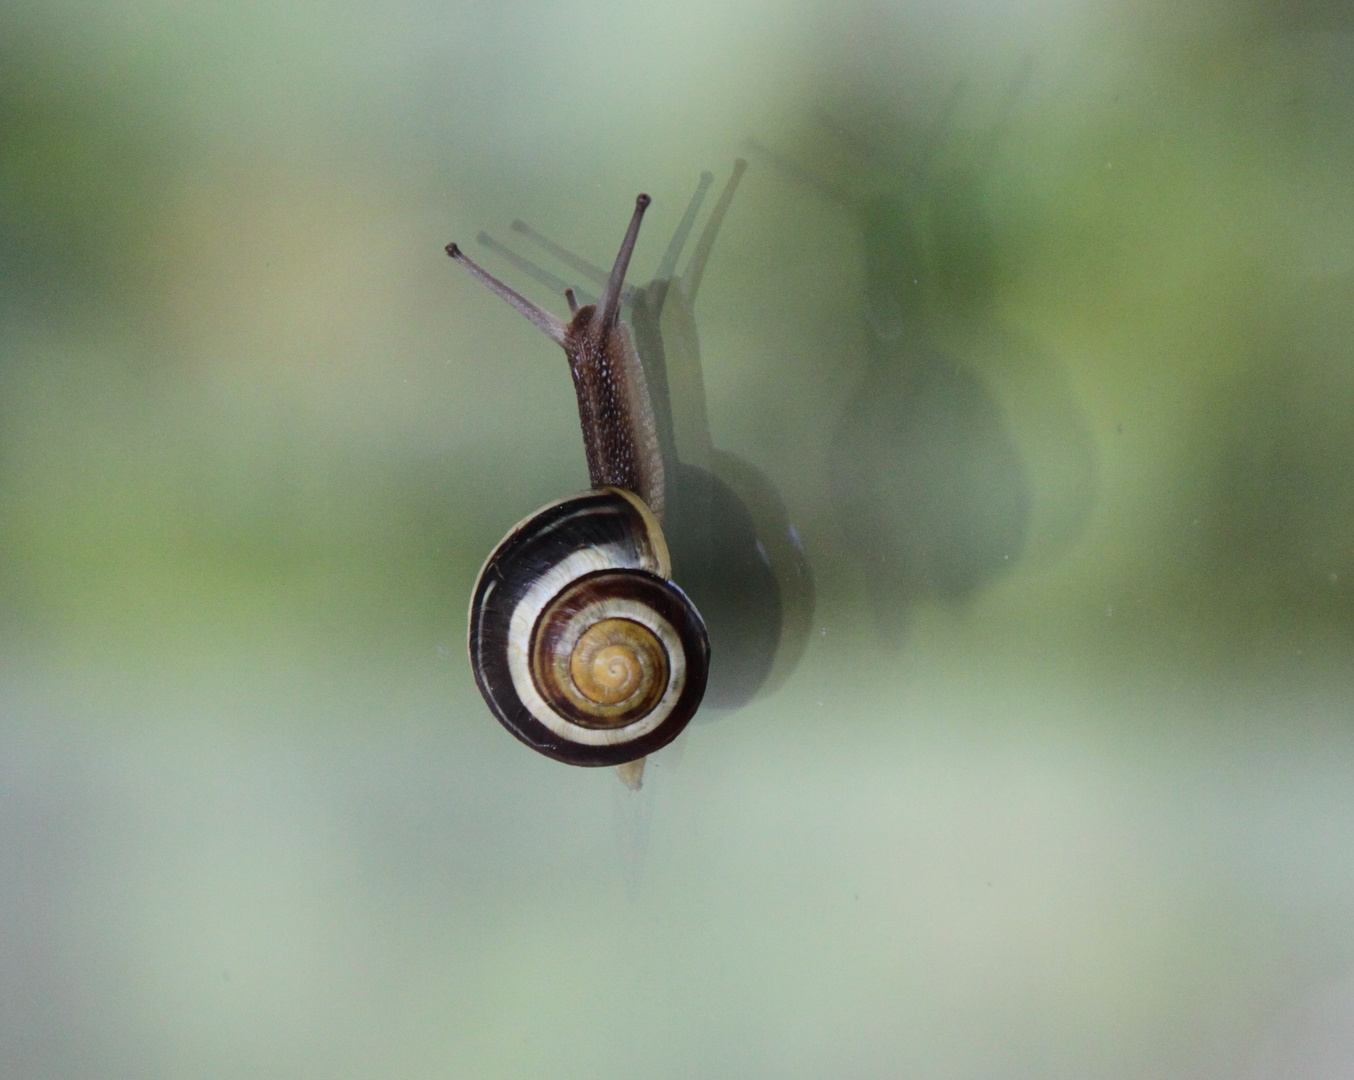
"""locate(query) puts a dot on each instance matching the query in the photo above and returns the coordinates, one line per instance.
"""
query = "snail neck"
(614, 408)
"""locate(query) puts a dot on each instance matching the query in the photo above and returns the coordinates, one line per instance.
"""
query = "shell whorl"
(580, 645)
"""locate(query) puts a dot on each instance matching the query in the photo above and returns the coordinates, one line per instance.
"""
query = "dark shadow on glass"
(1273, 518)
(941, 463)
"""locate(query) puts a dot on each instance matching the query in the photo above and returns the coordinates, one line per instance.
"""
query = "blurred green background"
(1093, 818)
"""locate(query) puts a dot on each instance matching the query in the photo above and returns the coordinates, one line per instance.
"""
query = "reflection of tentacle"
(667, 268)
(668, 343)
(593, 273)
(691, 280)
(545, 277)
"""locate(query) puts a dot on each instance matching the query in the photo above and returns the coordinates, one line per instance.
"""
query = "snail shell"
(580, 644)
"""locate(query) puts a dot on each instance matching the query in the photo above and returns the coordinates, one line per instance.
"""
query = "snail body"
(733, 549)
(580, 643)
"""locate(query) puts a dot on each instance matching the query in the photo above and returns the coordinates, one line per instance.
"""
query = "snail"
(580, 643)
(733, 548)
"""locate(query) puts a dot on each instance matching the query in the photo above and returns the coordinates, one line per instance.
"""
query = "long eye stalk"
(551, 325)
(611, 299)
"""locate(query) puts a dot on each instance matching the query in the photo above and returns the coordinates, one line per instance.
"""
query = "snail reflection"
(584, 637)
(961, 448)
(734, 551)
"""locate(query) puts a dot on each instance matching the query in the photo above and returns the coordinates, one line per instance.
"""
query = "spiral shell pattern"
(580, 645)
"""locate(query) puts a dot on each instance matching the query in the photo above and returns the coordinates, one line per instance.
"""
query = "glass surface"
(1039, 318)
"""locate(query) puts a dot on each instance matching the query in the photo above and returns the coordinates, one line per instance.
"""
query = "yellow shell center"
(615, 659)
